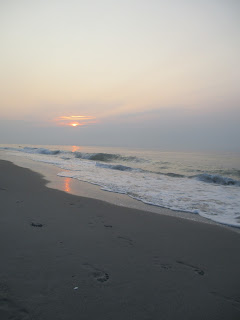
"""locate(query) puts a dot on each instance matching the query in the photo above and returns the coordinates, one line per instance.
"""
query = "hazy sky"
(138, 73)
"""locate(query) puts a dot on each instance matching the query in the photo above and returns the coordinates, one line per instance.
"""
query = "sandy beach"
(70, 257)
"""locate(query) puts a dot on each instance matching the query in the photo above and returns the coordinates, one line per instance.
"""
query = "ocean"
(207, 184)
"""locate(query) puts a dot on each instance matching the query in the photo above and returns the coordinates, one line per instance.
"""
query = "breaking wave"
(34, 150)
(173, 175)
(214, 178)
(233, 171)
(47, 151)
(116, 167)
(105, 157)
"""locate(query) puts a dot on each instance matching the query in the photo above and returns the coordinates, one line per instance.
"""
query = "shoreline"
(88, 190)
(65, 257)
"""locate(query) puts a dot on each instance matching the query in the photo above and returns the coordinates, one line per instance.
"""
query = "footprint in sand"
(9, 309)
(158, 262)
(108, 226)
(36, 224)
(98, 274)
(195, 269)
(76, 204)
(235, 301)
(101, 276)
(126, 240)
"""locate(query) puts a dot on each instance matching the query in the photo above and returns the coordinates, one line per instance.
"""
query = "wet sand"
(70, 257)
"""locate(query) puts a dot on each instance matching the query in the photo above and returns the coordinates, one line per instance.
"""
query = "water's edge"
(88, 190)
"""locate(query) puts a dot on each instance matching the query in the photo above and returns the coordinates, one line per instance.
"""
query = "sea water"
(207, 184)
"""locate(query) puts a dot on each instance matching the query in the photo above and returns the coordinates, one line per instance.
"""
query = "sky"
(135, 73)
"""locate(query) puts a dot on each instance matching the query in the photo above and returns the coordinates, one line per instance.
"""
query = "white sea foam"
(208, 194)
(218, 203)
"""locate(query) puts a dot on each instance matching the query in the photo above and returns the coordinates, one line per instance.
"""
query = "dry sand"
(70, 257)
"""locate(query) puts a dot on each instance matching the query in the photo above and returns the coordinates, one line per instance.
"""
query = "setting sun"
(75, 121)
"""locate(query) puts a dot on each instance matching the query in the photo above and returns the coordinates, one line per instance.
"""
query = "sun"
(75, 121)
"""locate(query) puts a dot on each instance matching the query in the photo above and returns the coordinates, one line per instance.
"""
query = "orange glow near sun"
(75, 148)
(75, 121)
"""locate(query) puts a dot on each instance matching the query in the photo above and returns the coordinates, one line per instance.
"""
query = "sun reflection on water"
(67, 187)
(75, 148)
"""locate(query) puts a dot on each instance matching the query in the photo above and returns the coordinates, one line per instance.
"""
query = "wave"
(34, 150)
(174, 175)
(40, 151)
(116, 167)
(126, 168)
(214, 178)
(105, 157)
(220, 177)
(47, 151)
(231, 172)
